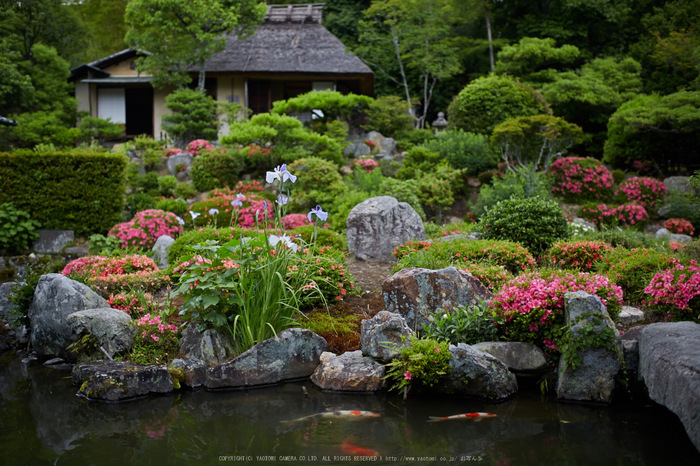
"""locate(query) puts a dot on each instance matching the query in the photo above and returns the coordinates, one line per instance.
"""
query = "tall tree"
(104, 21)
(179, 35)
(410, 43)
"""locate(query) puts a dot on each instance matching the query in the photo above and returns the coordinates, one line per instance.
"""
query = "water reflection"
(45, 422)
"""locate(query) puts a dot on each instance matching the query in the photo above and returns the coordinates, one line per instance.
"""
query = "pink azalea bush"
(127, 302)
(492, 277)
(366, 164)
(609, 216)
(290, 221)
(108, 275)
(254, 210)
(578, 178)
(198, 145)
(143, 230)
(645, 191)
(173, 151)
(532, 304)
(581, 255)
(155, 342)
(679, 226)
(676, 292)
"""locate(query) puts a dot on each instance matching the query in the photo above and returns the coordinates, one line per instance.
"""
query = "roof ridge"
(295, 13)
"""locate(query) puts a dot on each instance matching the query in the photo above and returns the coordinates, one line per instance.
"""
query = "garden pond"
(44, 422)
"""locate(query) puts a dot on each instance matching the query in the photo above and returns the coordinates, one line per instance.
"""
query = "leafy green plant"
(17, 229)
(388, 115)
(423, 362)
(185, 191)
(193, 116)
(469, 324)
(521, 182)
(166, 185)
(103, 245)
(535, 223)
(319, 183)
(216, 168)
(176, 206)
(467, 151)
(155, 341)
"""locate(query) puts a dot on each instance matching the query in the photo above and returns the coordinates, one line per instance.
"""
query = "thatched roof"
(291, 47)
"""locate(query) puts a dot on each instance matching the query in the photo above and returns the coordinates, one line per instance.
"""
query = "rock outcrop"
(417, 293)
(669, 364)
(294, 353)
(55, 298)
(383, 335)
(522, 359)
(112, 328)
(349, 372)
(211, 346)
(593, 379)
(119, 380)
(378, 225)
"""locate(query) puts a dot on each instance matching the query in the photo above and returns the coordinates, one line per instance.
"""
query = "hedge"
(77, 190)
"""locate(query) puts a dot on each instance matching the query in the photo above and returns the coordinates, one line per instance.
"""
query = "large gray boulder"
(293, 354)
(383, 335)
(594, 378)
(53, 241)
(55, 298)
(349, 372)
(378, 225)
(669, 364)
(175, 160)
(477, 374)
(113, 328)
(120, 380)
(212, 346)
(160, 251)
(678, 183)
(521, 358)
(417, 293)
(663, 233)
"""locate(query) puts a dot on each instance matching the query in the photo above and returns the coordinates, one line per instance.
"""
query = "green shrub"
(318, 183)
(402, 191)
(78, 190)
(418, 159)
(522, 183)
(388, 115)
(625, 237)
(408, 139)
(166, 185)
(680, 205)
(176, 206)
(215, 169)
(181, 247)
(423, 363)
(633, 269)
(692, 250)
(17, 230)
(490, 100)
(193, 117)
(185, 191)
(463, 150)
(461, 253)
(103, 245)
(324, 237)
(535, 223)
(139, 202)
(437, 188)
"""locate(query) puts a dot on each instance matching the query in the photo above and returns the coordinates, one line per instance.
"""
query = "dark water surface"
(42, 421)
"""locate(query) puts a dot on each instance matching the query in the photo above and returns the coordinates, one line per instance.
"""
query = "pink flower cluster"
(644, 190)
(100, 267)
(579, 255)
(173, 151)
(291, 221)
(578, 176)
(626, 214)
(366, 164)
(198, 145)
(676, 290)
(154, 329)
(127, 302)
(679, 226)
(146, 226)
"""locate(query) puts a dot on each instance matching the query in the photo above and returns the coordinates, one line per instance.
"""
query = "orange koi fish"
(339, 414)
(347, 447)
(476, 416)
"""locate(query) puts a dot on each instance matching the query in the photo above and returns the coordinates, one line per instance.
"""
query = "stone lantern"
(440, 124)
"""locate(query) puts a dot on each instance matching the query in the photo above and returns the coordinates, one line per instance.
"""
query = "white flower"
(213, 211)
(194, 214)
(286, 240)
(281, 174)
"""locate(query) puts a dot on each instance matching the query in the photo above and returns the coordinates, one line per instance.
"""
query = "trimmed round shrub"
(610, 216)
(143, 230)
(533, 304)
(578, 178)
(318, 183)
(581, 255)
(463, 150)
(645, 191)
(490, 100)
(438, 255)
(216, 168)
(534, 222)
(176, 206)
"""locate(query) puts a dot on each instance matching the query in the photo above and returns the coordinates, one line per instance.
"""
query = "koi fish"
(476, 416)
(339, 414)
(347, 447)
